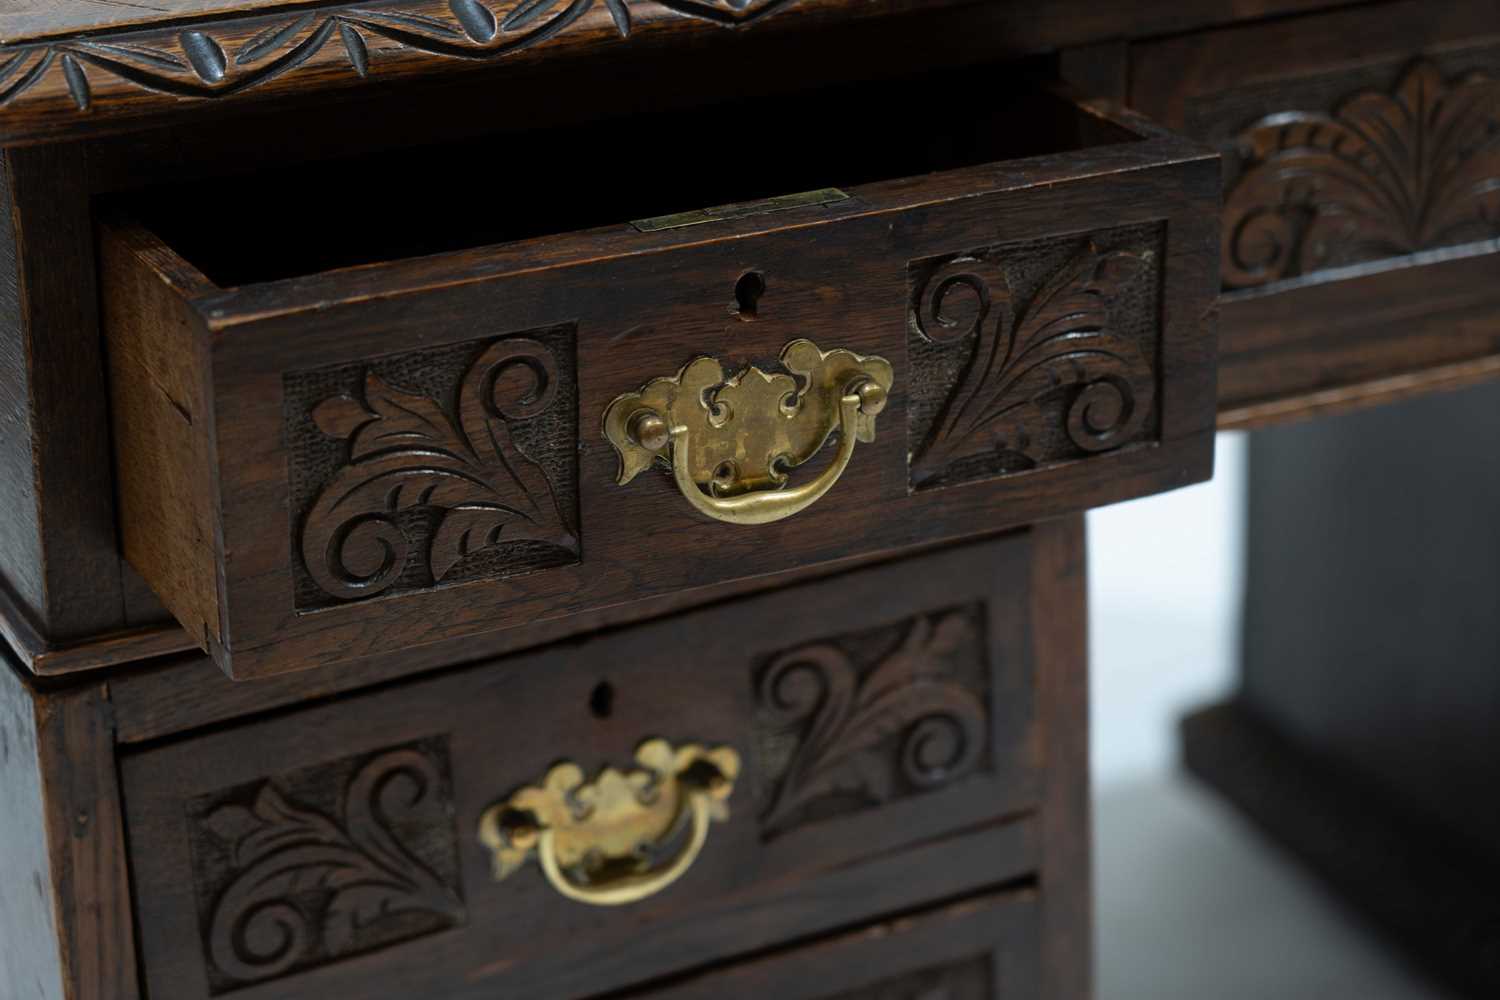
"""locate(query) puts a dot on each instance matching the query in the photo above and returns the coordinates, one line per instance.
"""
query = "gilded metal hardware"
(730, 442)
(597, 841)
(741, 210)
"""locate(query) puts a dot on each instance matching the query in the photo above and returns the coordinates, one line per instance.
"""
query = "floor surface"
(1193, 904)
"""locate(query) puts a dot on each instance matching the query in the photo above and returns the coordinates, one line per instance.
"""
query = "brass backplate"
(746, 431)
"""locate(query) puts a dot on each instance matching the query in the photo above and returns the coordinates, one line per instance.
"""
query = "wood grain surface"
(64, 889)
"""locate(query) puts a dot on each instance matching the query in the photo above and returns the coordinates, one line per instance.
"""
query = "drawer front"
(880, 734)
(977, 950)
(1361, 193)
(378, 458)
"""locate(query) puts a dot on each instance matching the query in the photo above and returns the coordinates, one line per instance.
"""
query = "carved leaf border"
(282, 850)
(1384, 174)
(406, 451)
(199, 66)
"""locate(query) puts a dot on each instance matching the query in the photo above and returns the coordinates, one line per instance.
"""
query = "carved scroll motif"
(1058, 347)
(304, 887)
(407, 451)
(867, 731)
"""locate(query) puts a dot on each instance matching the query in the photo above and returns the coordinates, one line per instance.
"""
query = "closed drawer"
(982, 949)
(888, 739)
(359, 460)
(1361, 197)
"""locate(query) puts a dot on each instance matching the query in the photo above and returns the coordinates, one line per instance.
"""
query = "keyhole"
(747, 293)
(602, 700)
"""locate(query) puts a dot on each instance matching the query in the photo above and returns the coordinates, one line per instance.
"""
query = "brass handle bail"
(597, 841)
(729, 443)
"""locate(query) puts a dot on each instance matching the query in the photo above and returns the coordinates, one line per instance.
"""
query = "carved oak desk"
(579, 498)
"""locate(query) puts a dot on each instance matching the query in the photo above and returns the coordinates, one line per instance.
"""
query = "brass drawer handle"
(730, 441)
(596, 841)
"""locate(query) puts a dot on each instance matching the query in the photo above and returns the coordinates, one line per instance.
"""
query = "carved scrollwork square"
(857, 720)
(308, 867)
(436, 467)
(1029, 354)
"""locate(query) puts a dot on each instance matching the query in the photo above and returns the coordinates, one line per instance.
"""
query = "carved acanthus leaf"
(843, 716)
(1382, 175)
(1061, 342)
(284, 854)
(406, 451)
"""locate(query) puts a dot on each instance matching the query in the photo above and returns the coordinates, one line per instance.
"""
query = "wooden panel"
(938, 649)
(160, 402)
(311, 374)
(30, 922)
(140, 67)
(1060, 615)
(1342, 341)
(976, 950)
(57, 542)
(1361, 169)
(65, 926)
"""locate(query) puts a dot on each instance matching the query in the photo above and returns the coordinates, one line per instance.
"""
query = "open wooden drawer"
(995, 307)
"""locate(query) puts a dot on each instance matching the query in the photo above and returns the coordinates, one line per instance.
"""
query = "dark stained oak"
(968, 629)
(80, 67)
(974, 950)
(55, 539)
(66, 927)
(1355, 268)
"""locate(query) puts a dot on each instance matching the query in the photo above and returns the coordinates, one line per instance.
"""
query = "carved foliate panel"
(309, 867)
(1356, 165)
(857, 720)
(434, 467)
(971, 980)
(1030, 354)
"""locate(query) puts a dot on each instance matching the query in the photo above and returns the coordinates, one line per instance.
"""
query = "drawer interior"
(518, 185)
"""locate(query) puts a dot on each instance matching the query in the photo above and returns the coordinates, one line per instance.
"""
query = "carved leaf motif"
(1384, 174)
(354, 45)
(261, 926)
(478, 20)
(843, 718)
(289, 44)
(620, 11)
(204, 55)
(405, 451)
(1061, 341)
(78, 82)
